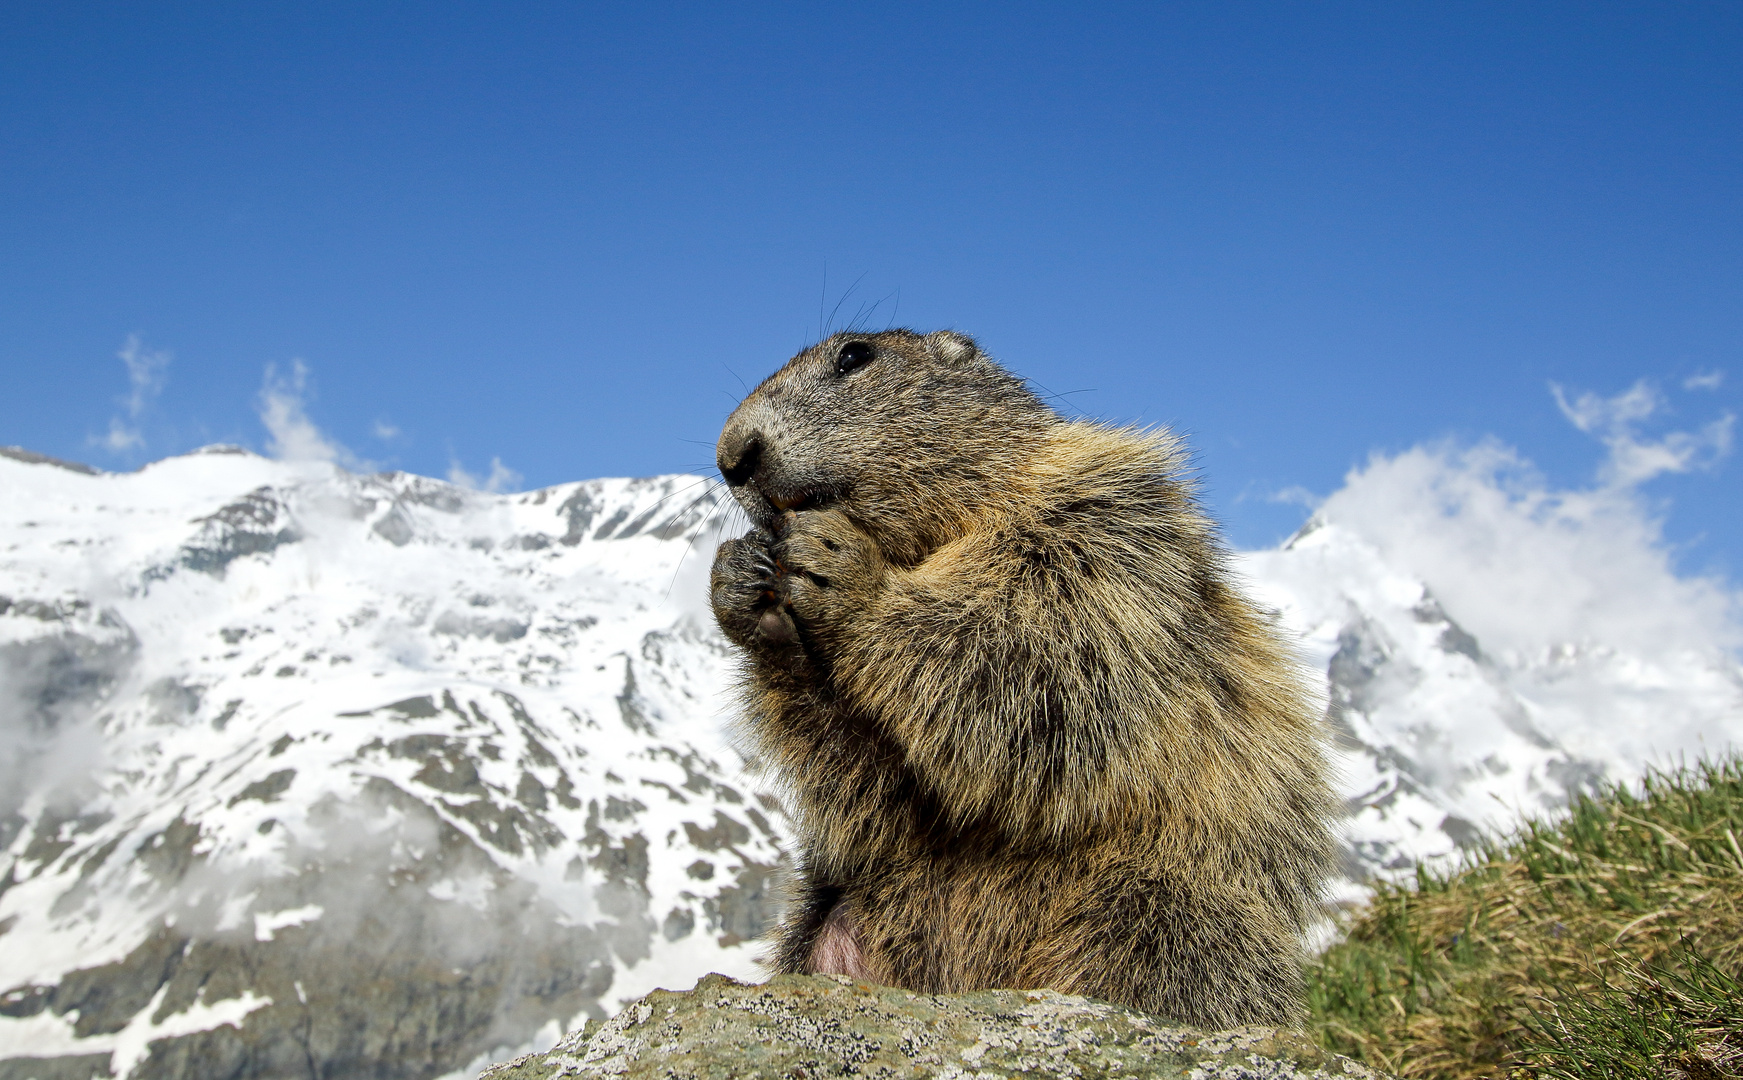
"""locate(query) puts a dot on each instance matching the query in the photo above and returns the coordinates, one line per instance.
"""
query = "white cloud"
(501, 478)
(1526, 567)
(292, 436)
(1704, 380)
(384, 431)
(1635, 457)
(146, 373)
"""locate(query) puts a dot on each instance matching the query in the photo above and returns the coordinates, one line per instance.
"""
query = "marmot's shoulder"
(1124, 491)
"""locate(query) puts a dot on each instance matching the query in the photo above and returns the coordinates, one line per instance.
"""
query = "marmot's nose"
(740, 452)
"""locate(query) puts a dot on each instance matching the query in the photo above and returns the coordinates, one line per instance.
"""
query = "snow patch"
(133, 1042)
(266, 924)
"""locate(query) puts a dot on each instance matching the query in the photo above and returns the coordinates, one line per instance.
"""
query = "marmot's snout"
(739, 455)
(745, 460)
(746, 464)
(763, 481)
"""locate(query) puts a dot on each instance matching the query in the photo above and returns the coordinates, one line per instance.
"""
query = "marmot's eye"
(852, 355)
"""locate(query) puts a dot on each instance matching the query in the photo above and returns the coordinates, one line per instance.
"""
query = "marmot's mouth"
(799, 498)
(767, 504)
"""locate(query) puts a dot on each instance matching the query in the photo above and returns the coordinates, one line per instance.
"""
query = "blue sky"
(559, 236)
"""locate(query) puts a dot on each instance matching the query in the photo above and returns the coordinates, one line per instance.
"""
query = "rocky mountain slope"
(307, 773)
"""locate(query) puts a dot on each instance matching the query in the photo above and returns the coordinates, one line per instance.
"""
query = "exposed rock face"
(813, 1026)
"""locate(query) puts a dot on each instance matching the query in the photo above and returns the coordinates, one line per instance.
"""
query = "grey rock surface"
(816, 1026)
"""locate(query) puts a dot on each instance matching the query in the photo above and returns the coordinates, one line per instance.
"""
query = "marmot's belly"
(1093, 922)
(959, 924)
(837, 951)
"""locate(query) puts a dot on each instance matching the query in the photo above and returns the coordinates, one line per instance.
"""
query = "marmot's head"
(908, 434)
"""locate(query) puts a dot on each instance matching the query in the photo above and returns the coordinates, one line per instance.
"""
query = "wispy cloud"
(1295, 495)
(121, 437)
(146, 373)
(292, 436)
(1704, 380)
(501, 477)
(384, 430)
(1635, 457)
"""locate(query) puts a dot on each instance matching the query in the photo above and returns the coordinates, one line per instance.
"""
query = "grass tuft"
(1679, 1020)
(1605, 943)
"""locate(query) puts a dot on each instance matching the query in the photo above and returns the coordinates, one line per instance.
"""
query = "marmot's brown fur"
(1031, 733)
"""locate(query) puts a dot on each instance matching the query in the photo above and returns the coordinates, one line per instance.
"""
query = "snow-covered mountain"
(306, 773)
(1440, 738)
(319, 774)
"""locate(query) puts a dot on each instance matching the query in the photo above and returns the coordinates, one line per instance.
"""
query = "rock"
(815, 1026)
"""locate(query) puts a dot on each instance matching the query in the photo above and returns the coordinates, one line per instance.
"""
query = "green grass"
(1606, 943)
(1679, 1019)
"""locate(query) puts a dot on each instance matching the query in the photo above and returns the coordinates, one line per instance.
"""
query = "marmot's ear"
(951, 345)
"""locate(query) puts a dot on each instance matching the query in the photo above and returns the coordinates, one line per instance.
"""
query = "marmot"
(1031, 733)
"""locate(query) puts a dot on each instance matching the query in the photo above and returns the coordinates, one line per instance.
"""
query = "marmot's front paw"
(746, 589)
(831, 570)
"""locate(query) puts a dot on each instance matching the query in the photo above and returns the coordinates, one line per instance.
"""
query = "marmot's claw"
(746, 587)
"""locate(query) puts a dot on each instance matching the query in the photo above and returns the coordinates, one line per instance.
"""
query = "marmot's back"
(1031, 734)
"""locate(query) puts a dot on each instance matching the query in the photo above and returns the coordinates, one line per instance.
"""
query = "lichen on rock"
(816, 1026)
